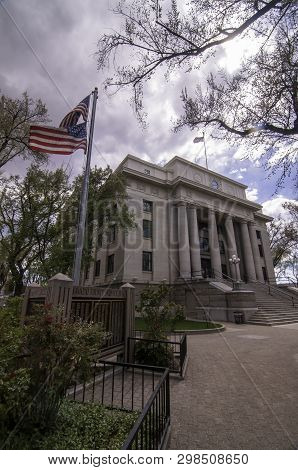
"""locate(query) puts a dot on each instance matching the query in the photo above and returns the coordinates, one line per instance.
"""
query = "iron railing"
(276, 291)
(110, 313)
(131, 387)
(175, 352)
(152, 427)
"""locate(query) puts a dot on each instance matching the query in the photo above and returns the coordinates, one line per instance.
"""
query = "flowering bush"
(37, 365)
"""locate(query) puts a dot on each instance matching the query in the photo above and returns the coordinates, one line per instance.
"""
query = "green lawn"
(181, 325)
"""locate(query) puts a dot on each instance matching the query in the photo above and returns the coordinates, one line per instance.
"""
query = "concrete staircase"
(273, 309)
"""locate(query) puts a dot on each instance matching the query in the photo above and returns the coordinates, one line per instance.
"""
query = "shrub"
(37, 364)
(14, 379)
(57, 352)
(154, 354)
(81, 426)
(159, 314)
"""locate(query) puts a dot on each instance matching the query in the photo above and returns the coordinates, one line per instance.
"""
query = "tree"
(284, 241)
(258, 103)
(16, 116)
(160, 315)
(38, 219)
(28, 219)
(106, 208)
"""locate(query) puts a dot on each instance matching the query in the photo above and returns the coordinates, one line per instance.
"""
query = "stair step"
(257, 322)
(265, 317)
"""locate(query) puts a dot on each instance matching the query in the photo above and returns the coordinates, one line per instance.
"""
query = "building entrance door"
(206, 267)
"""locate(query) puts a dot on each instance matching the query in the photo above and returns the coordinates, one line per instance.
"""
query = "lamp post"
(235, 260)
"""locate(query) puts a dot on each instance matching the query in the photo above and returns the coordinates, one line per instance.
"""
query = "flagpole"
(84, 199)
(205, 150)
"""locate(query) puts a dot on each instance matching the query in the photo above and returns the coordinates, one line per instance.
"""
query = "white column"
(213, 244)
(232, 247)
(183, 238)
(194, 240)
(247, 252)
(255, 250)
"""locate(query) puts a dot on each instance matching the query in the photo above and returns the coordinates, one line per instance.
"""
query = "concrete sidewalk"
(240, 390)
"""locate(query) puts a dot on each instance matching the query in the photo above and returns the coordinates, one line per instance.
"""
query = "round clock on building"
(214, 184)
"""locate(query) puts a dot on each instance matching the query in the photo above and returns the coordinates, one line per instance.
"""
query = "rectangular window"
(258, 234)
(265, 274)
(261, 251)
(221, 247)
(97, 268)
(147, 206)
(147, 228)
(204, 244)
(147, 261)
(110, 264)
(112, 234)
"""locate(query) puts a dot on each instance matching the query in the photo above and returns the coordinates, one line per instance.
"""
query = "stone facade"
(189, 223)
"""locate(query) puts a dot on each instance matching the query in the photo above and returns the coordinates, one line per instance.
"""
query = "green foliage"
(37, 365)
(158, 312)
(14, 379)
(82, 426)
(38, 220)
(28, 214)
(159, 315)
(57, 351)
(283, 233)
(155, 354)
(106, 207)
(16, 116)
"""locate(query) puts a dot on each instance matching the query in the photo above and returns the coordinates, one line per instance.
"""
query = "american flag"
(60, 141)
(81, 109)
(65, 139)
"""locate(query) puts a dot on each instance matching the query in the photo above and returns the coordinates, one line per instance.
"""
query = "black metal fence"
(152, 427)
(131, 387)
(172, 352)
(110, 313)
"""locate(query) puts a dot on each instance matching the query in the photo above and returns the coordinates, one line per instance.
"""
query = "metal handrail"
(133, 436)
(181, 351)
(223, 276)
(276, 290)
(287, 279)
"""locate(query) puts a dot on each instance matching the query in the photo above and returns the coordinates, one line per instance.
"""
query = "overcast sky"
(47, 48)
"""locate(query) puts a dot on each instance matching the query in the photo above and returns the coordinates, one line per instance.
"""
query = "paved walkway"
(240, 390)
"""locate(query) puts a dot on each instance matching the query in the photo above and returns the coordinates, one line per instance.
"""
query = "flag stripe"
(51, 137)
(73, 116)
(66, 139)
(48, 139)
(54, 152)
(48, 143)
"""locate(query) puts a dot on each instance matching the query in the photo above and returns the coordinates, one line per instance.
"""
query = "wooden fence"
(114, 308)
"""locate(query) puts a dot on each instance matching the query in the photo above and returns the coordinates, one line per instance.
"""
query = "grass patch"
(181, 325)
(82, 426)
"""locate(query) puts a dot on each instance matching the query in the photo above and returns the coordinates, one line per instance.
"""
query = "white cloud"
(273, 207)
(252, 194)
(233, 172)
(240, 177)
(243, 170)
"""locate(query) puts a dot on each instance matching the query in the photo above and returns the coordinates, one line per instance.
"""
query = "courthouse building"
(190, 221)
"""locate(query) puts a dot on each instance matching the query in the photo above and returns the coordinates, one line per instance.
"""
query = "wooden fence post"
(129, 318)
(59, 294)
(26, 300)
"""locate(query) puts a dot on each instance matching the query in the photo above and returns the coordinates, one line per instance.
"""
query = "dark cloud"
(47, 48)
